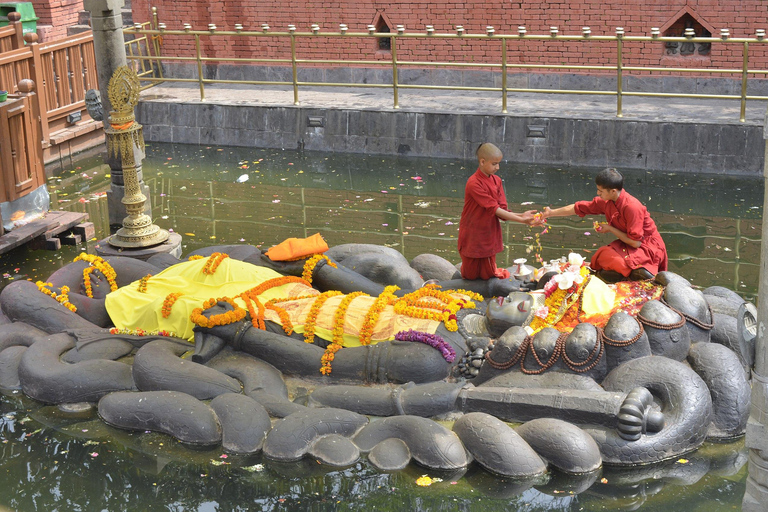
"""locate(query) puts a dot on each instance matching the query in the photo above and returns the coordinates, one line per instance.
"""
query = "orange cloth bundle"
(296, 248)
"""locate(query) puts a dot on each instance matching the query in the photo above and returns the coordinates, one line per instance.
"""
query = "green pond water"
(55, 461)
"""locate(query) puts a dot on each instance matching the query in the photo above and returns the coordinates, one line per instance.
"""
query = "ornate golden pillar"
(125, 141)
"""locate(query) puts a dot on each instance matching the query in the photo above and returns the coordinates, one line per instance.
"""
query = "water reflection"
(50, 460)
(711, 224)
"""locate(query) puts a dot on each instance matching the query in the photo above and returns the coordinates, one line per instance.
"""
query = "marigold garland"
(62, 297)
(314, 311)
(557, 303)
(274, 283)
(443, 308)
(309, 266)
(338, 332)
(102, 266)
(143, 283)
(195, 257)
(228, 317)
(168, 303)
(214, 260)
(285, 320)
(257, 316)
(142, 332)
(386, 298)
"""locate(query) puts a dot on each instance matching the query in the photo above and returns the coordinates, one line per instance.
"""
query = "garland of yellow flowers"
(229, 317)
(195, 257)
(386, 298)
(214, 260)
(443, 310)
(274, 283)
(62, 297)
(143, 283)
(338, 332)
(314, 311)
(558, 303)
(309, 266)
(168, 303)
(97, 262)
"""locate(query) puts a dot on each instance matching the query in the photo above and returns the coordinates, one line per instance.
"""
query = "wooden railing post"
(39, 79)
(26, 89)
(15, 21)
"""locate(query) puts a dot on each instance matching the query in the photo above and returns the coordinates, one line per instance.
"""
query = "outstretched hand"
(528, 217)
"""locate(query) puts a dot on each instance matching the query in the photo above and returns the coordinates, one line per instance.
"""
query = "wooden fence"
(62, 71)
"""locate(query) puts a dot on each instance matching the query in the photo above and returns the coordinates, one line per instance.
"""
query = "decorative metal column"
(125, 142)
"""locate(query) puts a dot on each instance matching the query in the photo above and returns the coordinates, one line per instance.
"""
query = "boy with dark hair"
(638, 251)
(479, 228)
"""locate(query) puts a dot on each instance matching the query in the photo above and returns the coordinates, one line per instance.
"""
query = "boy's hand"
(546, 213)
(538, 219)
(527, 217)
(601, 227)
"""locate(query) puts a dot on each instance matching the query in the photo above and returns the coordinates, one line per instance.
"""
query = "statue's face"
(504, 312)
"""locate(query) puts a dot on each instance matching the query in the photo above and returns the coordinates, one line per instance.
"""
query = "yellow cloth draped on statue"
(130, 308)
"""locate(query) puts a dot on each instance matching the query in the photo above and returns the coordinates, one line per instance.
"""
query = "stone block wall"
(697, 147)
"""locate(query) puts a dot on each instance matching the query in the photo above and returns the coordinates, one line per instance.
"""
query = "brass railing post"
(395, 92)
(619, 86)
(156, 43)
(503, 75)
(744, 73)
(292, 31)
(199, 67)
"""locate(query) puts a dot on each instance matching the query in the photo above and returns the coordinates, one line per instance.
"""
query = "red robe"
(627, 214)
(479, 227)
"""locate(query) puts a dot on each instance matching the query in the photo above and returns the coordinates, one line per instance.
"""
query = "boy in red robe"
(638, 252)
(479, 228)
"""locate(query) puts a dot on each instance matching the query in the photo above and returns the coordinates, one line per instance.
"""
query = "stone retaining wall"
(691, 147)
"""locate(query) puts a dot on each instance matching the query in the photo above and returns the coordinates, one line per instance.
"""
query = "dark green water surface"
(52, 461)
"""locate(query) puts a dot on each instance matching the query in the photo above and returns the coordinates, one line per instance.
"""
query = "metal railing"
(140, 51)
(292, 36)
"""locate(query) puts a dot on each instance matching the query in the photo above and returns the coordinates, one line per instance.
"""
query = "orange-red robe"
(627, 214)
(479, 228)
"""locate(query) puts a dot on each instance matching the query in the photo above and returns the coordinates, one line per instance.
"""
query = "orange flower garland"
(257, 317)
(557, 303)
(285, 320)
(229, 317)
(214, 260)
(274, 283)
(143, 283)
(168, 303)
(87, 281)
(386, 298)
(443, 309)
(195, 257)
(338, 332)
(310, 321)
(309, 266)
(102, 266)
(62, 297)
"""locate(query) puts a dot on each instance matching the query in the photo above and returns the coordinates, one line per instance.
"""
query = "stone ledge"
(74, 131)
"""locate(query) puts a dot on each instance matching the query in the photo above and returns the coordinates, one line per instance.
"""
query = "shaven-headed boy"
(479, 228)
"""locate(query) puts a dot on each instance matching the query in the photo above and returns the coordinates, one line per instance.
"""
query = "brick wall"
(54, 16)
(742, 17)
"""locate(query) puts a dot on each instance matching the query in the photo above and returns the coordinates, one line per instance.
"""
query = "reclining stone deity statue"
(621, 378)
